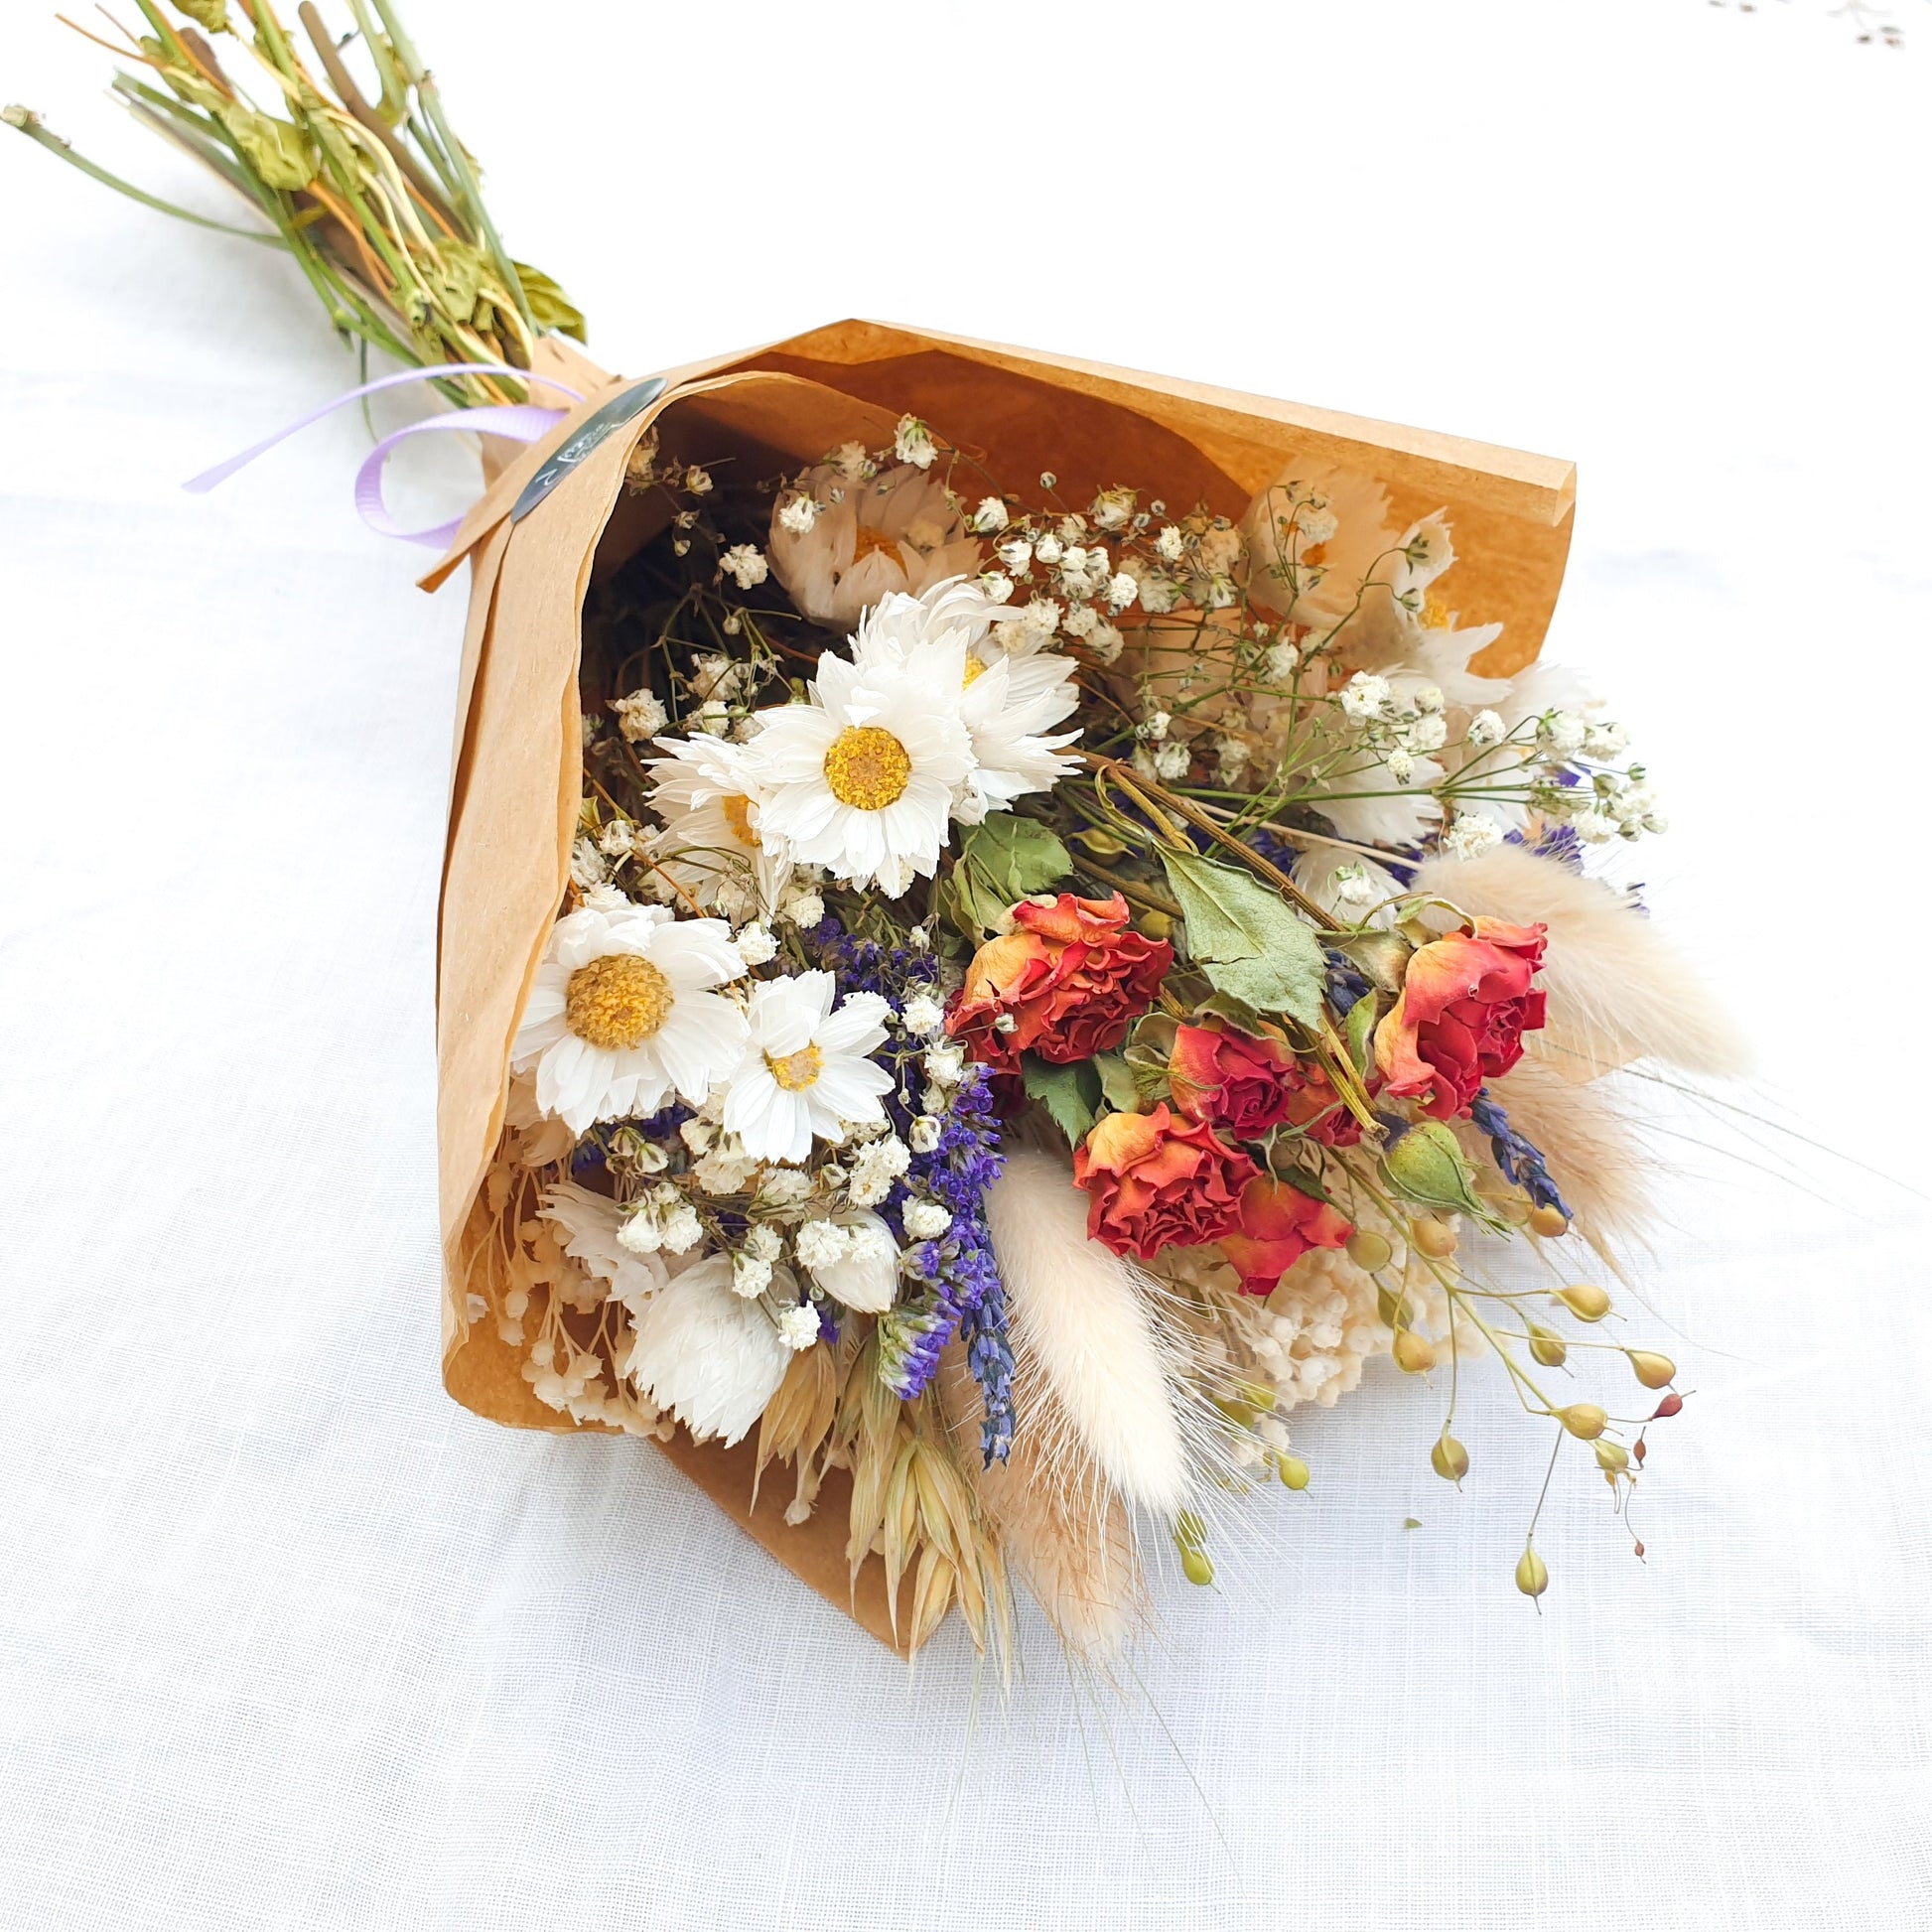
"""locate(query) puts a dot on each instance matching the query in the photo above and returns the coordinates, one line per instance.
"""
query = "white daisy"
(803, 1069)
(870, 536)
(706, 1354)
(861, 780)
(623, 1014)
(709, 796)
(1007, 697)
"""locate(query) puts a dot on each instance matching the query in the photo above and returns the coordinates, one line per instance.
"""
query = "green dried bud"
(1369, 1250)
(1547, 1346)
(1448, 1458)
(1652, 1370)
(1612, 1456)
(1195, 1567)
(1293, 1471)
(1586, 1301)
(1532, 1579)
(1583, 1420)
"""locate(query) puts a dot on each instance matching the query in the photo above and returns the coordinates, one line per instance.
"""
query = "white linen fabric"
(287, 1639)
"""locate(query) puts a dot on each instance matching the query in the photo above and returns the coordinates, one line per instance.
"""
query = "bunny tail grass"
(1083, 1314)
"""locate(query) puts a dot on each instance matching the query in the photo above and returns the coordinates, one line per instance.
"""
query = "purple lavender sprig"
(1520, 1161)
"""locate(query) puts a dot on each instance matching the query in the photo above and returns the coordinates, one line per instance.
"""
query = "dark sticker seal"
(619, 410)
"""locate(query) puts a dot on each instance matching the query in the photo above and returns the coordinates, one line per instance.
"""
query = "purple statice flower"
(1519, 1161)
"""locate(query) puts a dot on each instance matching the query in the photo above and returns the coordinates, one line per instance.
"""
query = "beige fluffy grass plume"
(1058, 1522)
(1078, 1309)
(1619, 991)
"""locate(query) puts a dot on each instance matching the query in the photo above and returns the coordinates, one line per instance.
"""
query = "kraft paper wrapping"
(516, 772)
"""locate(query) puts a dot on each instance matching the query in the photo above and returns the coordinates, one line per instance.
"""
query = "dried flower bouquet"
(1007, 925)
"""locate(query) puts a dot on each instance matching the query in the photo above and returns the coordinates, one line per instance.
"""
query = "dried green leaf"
(1361, 1034)
(1003, 860)
(1247, 938)
(1116, 1081)
(454, 275)
(1071, 1094)
(212, 16)
(550, 308)
(1382, 956)
(278, 151)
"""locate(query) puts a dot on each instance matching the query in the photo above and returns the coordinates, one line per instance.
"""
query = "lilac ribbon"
(518, 422)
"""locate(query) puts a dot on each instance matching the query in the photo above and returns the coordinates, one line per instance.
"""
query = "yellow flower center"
(737, 815)
(796, 1071)
(974, 668)
(868, 768)
(617, 1001)
(870, 541)
(1434, 614)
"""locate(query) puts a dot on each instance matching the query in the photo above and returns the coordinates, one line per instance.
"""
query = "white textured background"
(287, 1639)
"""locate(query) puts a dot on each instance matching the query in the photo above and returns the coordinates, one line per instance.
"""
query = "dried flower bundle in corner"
(1006, 925)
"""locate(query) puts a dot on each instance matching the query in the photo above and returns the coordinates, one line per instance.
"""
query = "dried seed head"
(1586, 1301)
(1414, 1354)
(1547, 1346)
(1448, 1458)
(1550, 1222)
(1369, 1250)
(1583, 1420)
(1652, 1370)
(1433, 1238)
(1532, 1579)
(1195, 1567)
(1293, 1471)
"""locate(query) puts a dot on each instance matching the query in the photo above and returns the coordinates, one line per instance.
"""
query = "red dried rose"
(1231, 1079)
(1279, 1224)
(1157, 1182)
(1465, 1006)
(1071, 977)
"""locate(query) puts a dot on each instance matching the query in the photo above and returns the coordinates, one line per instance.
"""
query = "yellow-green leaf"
(550, 308)
(1247, 938)
(278, 151)
(209, 14)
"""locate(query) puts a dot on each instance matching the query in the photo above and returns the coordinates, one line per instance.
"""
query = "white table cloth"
(287, 1639)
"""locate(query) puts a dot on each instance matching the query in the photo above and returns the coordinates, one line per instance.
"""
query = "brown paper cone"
(515, 776)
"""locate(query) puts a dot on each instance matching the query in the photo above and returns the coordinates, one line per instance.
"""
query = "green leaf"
(209, 14)
(1001, 859)
(550, 308)
(1071, 1094)
(278, 151)
(1382, 956)
(1361, 1034)
(456, 275)
(1247, 938)
(1116, 1081)
(1427, 1166)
